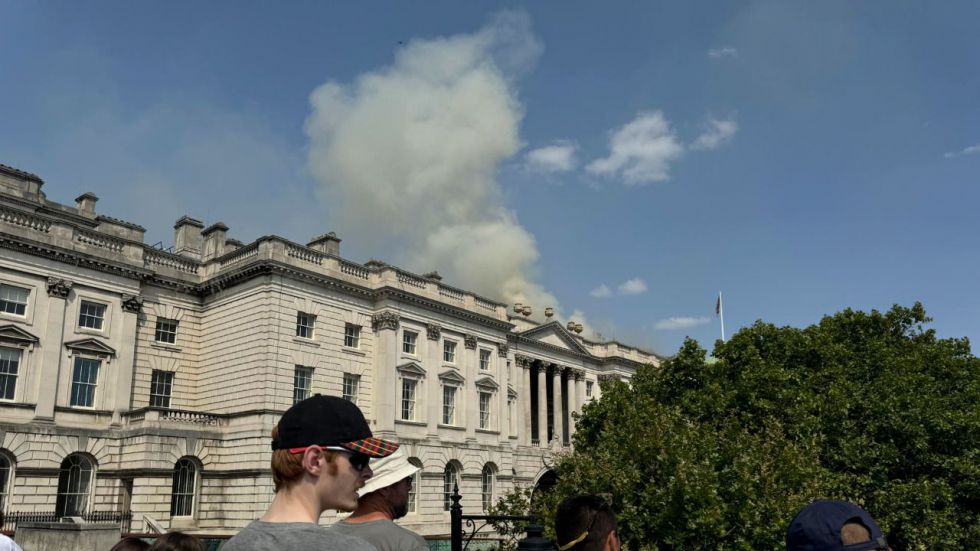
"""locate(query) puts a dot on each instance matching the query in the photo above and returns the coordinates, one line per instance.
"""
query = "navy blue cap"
(817, 528)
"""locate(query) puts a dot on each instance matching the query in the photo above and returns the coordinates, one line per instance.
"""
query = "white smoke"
(407, 156)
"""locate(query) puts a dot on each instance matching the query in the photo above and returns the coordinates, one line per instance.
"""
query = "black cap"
(817, 527)
(329, 421)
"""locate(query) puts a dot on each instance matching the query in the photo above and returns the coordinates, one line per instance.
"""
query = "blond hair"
(287, 468)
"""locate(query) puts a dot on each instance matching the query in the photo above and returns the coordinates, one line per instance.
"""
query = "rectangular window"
(166, 331)
(161, 385)
(13, 300)
(84, 378)
(352, 335)
(302, 383)
(485, 401)
(484, 359)
(91, 315)
(409, 386)
(449, 352)
(588, 389)
(304, 325)
(448, 405)
(9, 363)
(413, 493)
(409, 341)
(351, 382)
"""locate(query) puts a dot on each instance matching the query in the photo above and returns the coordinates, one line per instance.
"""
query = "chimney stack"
(187, 237)
(327, 243)
(85, 203)
(214, 241)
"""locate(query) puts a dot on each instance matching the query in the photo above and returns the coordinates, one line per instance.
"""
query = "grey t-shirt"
(383, 534)
(276, 536)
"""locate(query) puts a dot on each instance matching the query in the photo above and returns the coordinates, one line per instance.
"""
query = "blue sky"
(623, 161)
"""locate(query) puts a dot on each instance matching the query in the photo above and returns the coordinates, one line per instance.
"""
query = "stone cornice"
(21, 174)
(83, 260)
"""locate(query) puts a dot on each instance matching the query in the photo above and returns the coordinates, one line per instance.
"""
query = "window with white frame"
(305, 324)
(161, 387)
(410, 387)
(166, 331)
(6, 475)
(486, 401)
(449, 351)
(413, 493)
(410, 341)
(352, 335)
(84, 380)
(484, 359)
(9, 366)
(450, 481)
(302, 382)
(349, 388)
(13, 300)
(487, 485)
(449, 404)
(91, 315)
(74, 485)
(183, 488)
(588, 389)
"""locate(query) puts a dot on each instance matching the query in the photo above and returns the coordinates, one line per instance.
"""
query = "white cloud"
(559, 157)
(674, 323)
(633, 286)
(640, 151)
(602, 291)
(406, 157)
(718, 53)
(971, 150)
(718, 133)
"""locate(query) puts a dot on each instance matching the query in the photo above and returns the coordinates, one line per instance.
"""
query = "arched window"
(450, 480)
(184, 488)
(6, 478)
(74, 485)
(413, 495)
(488, 486)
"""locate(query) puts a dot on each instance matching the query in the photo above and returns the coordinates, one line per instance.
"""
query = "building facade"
(148, 381)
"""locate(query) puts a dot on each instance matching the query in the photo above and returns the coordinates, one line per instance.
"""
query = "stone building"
(147, 380)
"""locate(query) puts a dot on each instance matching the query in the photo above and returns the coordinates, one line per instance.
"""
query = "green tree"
(868, 407)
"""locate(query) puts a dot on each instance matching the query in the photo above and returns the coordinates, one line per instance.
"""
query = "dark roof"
(20, 173)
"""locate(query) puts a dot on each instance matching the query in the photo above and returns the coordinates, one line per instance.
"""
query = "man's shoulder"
(260, 536)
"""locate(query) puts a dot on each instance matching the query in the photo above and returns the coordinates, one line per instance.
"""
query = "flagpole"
(721, 315)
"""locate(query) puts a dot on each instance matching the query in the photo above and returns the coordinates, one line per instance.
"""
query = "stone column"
(469, 395)
(385, 383)
(542, 407)
(504, 418)
(51, 348)
(431, 386)
(524, 395)
(569, 391)
(126, 359)
(556, 402)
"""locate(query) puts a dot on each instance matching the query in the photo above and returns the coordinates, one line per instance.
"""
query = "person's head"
(827, 525)
(325, 442)
(586, 523)
(388, 489)
(130, 544)
(177, 541)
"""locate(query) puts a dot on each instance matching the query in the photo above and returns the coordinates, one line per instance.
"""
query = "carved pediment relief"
(411, 368)
(511, 393)
(91, 346)
(554, 334)
(451, 376)
(487, 383)
(11, 334)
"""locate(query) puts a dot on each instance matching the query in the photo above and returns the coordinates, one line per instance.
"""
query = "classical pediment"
(554, 334)
(511, 393)
(411, 368)
(451, 376)
(15, 335)
(91, 346)
(487, 382)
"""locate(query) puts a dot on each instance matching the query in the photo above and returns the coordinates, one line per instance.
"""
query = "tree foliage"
(721, 453)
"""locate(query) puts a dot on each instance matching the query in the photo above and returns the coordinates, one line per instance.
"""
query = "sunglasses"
(358, 461)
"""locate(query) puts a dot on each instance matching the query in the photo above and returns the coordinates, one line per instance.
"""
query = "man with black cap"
(321, 448)
(383, 500)
(827, 525)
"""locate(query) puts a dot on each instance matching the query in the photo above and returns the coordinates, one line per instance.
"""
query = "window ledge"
(354, 351)
(451, 427)
(488, 431)
(166, 346)
(90, 331)
(186, 523)
(305, 341)
(413, 357)
(413, 423)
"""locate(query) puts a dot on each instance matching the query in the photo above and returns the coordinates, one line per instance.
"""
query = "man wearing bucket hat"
(320, 453)
(383, 499)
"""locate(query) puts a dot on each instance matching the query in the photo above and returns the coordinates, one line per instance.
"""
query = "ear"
(612, 541)
(311, 460)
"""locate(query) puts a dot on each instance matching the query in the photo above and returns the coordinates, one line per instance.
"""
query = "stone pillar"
(542, 407)
(126, 359)
(569, 392)
(524, 395)
(385, 383)
(504, 422)
(579, 390)
(433, 390)
(51, 348)
(556, 401)
(469, 395)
